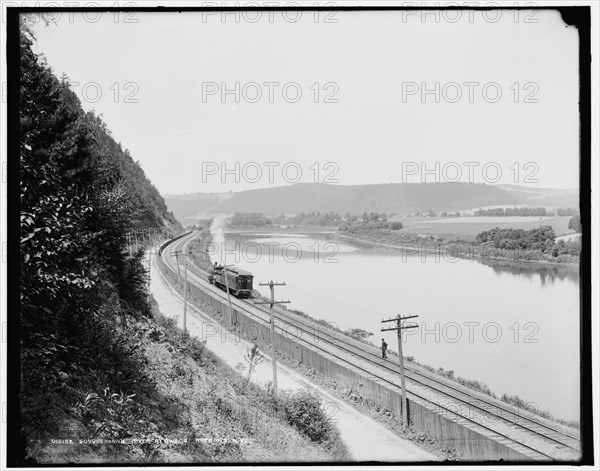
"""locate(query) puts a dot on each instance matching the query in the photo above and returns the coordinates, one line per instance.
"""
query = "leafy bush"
(358, 334)
(575, 223)
(541, 238)
(303, 410)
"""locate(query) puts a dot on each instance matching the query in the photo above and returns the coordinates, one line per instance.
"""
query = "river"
(514, 328)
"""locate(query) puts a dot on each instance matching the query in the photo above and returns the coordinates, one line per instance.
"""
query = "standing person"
(383, 349)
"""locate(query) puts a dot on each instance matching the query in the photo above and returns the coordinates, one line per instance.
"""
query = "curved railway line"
(531, 437)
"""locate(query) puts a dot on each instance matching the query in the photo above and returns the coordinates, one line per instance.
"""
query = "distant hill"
(546, 197)
(398, 198)
(188, 208)
(394, 197)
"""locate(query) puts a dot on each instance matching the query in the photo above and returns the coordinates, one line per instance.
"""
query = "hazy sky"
(161, 80)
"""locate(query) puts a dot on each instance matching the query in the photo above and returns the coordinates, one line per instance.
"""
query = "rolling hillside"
(563, 198)
(398, 198)
(194, 206)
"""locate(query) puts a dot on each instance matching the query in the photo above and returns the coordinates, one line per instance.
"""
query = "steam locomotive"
(239, 281)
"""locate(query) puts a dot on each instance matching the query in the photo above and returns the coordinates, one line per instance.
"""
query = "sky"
(212, 103)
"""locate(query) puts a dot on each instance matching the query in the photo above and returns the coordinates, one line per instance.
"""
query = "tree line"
(512, 212)
(256, 219)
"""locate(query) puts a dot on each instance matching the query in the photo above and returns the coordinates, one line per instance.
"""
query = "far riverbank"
(465, 250)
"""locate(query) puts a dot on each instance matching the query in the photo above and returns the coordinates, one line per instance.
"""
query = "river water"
(514, 328)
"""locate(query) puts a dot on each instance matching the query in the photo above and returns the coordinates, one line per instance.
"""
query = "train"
(239, 281)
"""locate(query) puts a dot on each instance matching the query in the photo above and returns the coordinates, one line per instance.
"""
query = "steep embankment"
(184, 405)
(103, 377)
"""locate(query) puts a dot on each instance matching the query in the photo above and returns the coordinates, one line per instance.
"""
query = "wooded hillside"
(81, 193)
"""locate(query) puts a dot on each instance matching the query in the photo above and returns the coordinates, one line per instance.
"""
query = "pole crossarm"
(410, 326)
(396, 319)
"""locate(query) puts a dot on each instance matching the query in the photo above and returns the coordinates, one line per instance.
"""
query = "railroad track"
(524, 433)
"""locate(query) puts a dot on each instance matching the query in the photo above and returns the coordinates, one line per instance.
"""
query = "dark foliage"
(358, 334)
(309, 219)
(304, 411)
(81, 193)
(369, 222)
(575, 223)
(541, 238)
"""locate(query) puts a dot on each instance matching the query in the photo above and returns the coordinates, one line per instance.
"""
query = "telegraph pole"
(271, 304)
(149, 265)
(225, 267)
(176, 255)
(399, 328)
(185, 298)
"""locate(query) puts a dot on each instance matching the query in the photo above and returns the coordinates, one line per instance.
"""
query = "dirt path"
(366, 439)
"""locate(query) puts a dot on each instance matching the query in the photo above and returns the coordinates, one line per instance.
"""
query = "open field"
(275, 230)
(471, 226)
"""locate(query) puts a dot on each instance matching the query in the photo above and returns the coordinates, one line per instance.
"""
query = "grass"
(181, 404)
